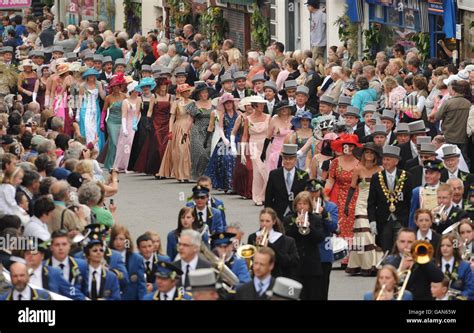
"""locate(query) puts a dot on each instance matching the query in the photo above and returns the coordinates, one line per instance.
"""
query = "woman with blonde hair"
(8, 204)
(386, 286)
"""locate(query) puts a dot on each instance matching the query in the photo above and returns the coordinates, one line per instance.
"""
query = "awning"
(449, 18)
(354, 10)
(239, 2)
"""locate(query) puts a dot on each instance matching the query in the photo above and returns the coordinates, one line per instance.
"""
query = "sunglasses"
(97, 250)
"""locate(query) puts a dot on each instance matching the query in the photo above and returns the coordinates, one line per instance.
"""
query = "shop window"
(468, 35)
(273, 19)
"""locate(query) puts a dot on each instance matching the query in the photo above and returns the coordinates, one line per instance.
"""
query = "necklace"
(393, 196)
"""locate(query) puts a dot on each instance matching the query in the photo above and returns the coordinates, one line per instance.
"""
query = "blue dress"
(222, 163)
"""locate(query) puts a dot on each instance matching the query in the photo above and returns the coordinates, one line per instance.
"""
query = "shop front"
(466, 8)
(90, 10)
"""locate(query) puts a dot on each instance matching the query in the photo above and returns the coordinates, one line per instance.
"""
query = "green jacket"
(111, 51)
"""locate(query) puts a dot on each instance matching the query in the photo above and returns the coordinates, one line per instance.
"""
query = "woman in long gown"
(302, 133)
(39, 94)
(113, 105)
(130, 114)
(339, 182)
(222, 162)
(363, 256)
(201, 112)
(60, 84)
(255, 132)
(280, 127)
(177, 159)
(89, 113)
(242, 177)
(158, 118)
(27, 80)
(146, 86)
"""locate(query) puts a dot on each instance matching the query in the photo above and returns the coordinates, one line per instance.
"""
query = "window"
(273, 19)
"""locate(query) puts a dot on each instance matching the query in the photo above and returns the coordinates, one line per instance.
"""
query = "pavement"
(144, 204)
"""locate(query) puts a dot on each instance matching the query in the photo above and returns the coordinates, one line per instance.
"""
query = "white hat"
(131, 87)
(469, 68)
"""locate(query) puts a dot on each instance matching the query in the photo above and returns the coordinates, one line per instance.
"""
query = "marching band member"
(186, 221)
(70, 267)
(424, 222)
(307, 230)
(256, 289)
(465, 229)
(206, 182)
(222, 243)
(458, 271)
(271, 235)
(386, 286)
(315, 188)
(20, 290)
(206, 214)
(421, 275)
(150, 259)
(439, 290)
(48, 277)
(448, 214)
(121, 241)
(167, 276)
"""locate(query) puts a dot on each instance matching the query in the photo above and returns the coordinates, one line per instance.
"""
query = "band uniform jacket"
(286, 255)
(276, 194)
(307, 245)
(178, 296)
(75, 268)
(136, 287)
(247, 292)
(109, 288)
(36, 295)
(455, 215)
(54, 281)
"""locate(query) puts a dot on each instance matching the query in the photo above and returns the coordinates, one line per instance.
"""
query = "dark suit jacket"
(417, 173)
(193, 75)
(360, 132)
(286, 255)
(247, 292)
(235, 93)
(307, 245)
(200, 264)
(467, 178)
(276, 194)
(411, 163)
(455, 214)
(307, 108)
(313, 82)
(405, 154)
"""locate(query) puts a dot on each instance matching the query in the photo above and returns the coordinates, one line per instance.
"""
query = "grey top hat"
(290, 84)
(7, 49)
(375, 117)
(391, 151)
(287, 288)
(226, 78)
(156, 68)
(344, 100)
(327, 100)
(71, 56)
(99, 58)
(388, 114)
(120, 61)
(369, 108)
(417, 127)
(239, 75)
(289, 150)
(450, 151)
(258, 77)
(402, 128)
(58, 48)
(146, 68)
(352, 111)
(180, 72)
(165, 71)
(202, 279)
(379, 130)
(270, 85)
(106, 60)
(302, 90)
(427, 149)
(88, 55)
(423, 139)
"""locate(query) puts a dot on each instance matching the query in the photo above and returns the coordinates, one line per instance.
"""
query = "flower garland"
(392, 197)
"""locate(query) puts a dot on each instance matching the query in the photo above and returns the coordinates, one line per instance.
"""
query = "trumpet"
(247, 252)
(439, 214)
(381, 293)
(317, 206)
(303, 226)
(466, 253)
(264, 241)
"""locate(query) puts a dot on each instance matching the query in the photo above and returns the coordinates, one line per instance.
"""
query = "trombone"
(422, 253)
(381, 293)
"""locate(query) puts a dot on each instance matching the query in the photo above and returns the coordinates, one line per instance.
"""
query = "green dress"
(114, 123)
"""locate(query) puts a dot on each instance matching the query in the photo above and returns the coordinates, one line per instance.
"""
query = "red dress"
(339, 192)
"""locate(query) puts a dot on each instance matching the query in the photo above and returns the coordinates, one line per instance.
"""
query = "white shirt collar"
(453, 174)
(192, 264)
(394, 173)
(25, 294)
(273, 235)
(444, 262)
(367, 130)
(169, 294)
(429, 235)
(36, 278)
(265, 281)
(460, 204)
(56, 262)
(444, 298)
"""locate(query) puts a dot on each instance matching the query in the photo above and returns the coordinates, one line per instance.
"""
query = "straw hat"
(28, 63)
(62, 68)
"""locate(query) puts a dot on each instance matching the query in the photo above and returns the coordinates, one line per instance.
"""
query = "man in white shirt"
(167, 277)
(317, 29)
(38, 225)
(20, 290)
(263, 263)
(458, 192)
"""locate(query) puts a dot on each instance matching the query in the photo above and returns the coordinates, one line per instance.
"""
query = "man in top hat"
(424, 196)
(389, 199)
(146, 71)
(271, 96)
(71, 57)
(167, 276)
(351, 118)
(363, 132)
(88, 57)
(38, 58)
(417, 160)
(451, 160)
(99, 282)
(120, 66)
(342, 104)
(20, 290)
(402, 134)
(58, 52)
(427, 153)
(8, 56)
(262, 281)
(285, 183)
(240, 90)
(98, 62)
(258, 81)
(206, 214)
(378, 136)
(107, 69)
(48, 277)
(326, 106)
(409, 150)
(227, 84)
(301, 102)
(286, 289)
(181, 76)
(222, 243)
(289, 90)
(388, 119)
(203, 285)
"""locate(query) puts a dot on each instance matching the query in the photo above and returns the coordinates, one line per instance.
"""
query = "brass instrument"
(422, 253)
(452, 228)
(225, 274)
(264, 241)
(455, 295)
(317, 206)
(247, 252)
(440, 214)
(466, 253)
(303, 226)
(381, 293)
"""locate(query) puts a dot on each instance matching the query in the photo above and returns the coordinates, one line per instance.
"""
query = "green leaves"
(260, 28)
(214, 26)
